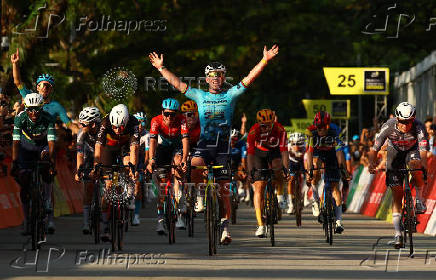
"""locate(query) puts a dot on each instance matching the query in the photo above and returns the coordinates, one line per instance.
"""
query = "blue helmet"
(171, 104)
(47, 78)
(356, 137)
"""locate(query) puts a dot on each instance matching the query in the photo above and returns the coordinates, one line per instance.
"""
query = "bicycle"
(298, 198)
(212, 217)
(271, 205)
(169, 203)
(233, 187)
(95, 207)
(118, 198)
(37, 211)
(408, 220)
(191, 200)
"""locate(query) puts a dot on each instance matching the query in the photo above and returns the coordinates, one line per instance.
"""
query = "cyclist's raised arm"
(157, 61)
(255, 72)
(15, 59)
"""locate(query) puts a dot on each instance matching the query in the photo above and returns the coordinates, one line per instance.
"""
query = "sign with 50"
(339, 109)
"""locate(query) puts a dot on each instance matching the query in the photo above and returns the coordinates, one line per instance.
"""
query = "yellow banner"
(299, 125)
(357, 80)
(338, 109)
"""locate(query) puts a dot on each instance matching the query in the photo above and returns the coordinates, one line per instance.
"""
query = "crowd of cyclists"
(199, 132)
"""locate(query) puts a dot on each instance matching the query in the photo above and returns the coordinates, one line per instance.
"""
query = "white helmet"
(234, 133)
(89, 114)
(297, 139)
(119, 115)
(33, 100)
(405, 111)
(214, 66)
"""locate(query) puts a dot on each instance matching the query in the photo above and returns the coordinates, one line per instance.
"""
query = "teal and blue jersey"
(215, 110)
(53, 108)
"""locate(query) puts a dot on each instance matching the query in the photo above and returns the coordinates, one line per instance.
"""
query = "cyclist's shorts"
(331, 171)
(398, 159)
(215, 153)
(27, 157)
(109, 154)
(294, 167)
(165, 154)
(262, 160)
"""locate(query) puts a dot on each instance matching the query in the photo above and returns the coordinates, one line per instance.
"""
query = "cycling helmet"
(171, 104)
(214, 66)
(234, 133)
(119, 115)
(356, 137)
(47, 78)
(265, 116)
(140, 116)
(90, 114)
(405, 111)
(189, 106)
(322, 118)
(297, 139)
(33, 100)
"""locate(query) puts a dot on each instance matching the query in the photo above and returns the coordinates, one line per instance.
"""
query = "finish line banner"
(357, 80)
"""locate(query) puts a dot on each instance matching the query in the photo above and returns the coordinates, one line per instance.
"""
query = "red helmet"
(322, 118)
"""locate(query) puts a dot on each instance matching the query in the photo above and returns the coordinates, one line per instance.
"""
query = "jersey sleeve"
(309, 137)
(251, 139)
(80, 141)
(422, 138)
(62, 113)
(184, 131)
(381, 137)
(193, 93)
(154, 128)
(237, 90)
(23, 90)
(51, 132)
(16, 135)
(101, 135)
(134, 138)
(147, 142)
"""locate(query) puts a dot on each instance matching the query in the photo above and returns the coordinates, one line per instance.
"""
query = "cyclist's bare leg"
(225, 199)
(197, 177)
(397, 198)
(418, 176)
(177, 193)
(317, 163)
(259, 190)
(278, 181)
(336, 193)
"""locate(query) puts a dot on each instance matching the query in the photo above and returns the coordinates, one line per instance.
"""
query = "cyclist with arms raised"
(407, 145)
(266, 148)
(216, 109)
(33, 139)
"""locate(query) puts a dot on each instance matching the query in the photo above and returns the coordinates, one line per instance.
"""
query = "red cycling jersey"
(169, 134)
(276, 139)
(194, 135)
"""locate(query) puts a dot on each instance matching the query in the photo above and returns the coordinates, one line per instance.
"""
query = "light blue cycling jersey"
(53, 108)
(215, 110)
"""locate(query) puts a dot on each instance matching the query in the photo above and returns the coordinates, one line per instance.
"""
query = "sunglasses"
(42, 84)
(189, 114)
(169, 114)
(323, 126)
(85, 124)
(121, 127)
(405, 121)
(34, 109)
(264, 126)
(215, 74)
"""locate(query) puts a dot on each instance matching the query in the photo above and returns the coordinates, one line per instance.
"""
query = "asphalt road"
(300, 253)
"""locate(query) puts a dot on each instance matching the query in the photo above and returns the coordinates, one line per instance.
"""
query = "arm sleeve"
(16, 136)
(147, 142)
(237, 90)
(251, 141)
(51, 132)
(193, 93)
(80, 141)
(101, 135)
(381, 137)
(134, 139)
(422, 138)
(309, 137)
(23, 90)
(63, 114)
(154, 128)
(283, 140)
